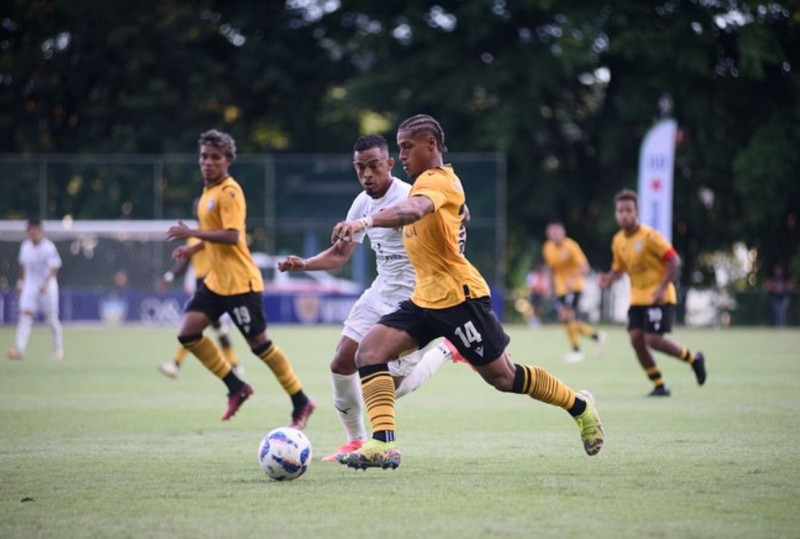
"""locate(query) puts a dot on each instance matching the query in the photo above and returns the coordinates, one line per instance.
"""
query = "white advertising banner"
(656, 166)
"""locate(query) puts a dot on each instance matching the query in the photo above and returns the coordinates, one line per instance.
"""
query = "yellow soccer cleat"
(373, 454)
(590, 426)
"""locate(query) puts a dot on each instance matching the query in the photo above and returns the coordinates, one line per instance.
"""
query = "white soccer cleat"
(169, 369)
(58, 355)
(600, 343)
(573, 357)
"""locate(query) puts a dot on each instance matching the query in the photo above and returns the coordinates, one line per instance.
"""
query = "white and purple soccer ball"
(284, 454)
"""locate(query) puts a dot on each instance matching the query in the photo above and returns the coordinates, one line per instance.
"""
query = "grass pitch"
(102, 445)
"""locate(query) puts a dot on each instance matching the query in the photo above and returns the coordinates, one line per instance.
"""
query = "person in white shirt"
(38, 290)
(393, 284)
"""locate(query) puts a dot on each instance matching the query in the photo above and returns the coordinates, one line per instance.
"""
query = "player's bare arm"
(673, 267)
(407, 212)
(180, 231)
(332, 258)
(606, 279)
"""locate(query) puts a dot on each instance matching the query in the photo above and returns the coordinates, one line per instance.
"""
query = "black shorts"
(471, 326)
(246, 310)
(651, 318)
(569, 300)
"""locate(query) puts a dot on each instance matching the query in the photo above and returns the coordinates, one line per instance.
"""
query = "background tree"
(567, 91)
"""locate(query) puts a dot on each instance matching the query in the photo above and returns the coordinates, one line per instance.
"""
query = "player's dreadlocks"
(422, 123)
(219, 140)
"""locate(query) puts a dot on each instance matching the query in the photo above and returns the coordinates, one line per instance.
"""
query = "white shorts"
(365, 313)
(30, 300)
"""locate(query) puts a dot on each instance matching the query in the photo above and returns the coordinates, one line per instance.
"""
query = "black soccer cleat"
(699, 367)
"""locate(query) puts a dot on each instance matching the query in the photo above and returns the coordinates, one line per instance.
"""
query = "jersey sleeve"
(658, 244)
(577, 253)
(231, 208)
(617, 263)
(53, 258)
(430, 184)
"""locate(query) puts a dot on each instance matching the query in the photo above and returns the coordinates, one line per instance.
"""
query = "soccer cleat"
(58, 355)
(373, 454)
(591, 427)
(699, 367)
(660, 391)
(344, 449)
(600, 342)
(573, 357)
(170, 369)
(13, 353)
(455, 355)
(300, 415)
(235, 401)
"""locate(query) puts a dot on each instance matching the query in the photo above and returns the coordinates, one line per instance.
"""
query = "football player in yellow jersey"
(194, 280)
(450, 299)
(233, 283)
(568, 268)
(652, 264)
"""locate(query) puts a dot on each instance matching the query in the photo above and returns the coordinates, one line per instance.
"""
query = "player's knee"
(367, 355)
(186, 340)
(259, 348)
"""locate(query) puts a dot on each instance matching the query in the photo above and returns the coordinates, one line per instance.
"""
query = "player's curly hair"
(422, 123)
(367, 142)
(219, 140)
(627, 194)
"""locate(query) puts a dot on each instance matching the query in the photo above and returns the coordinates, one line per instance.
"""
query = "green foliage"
(102, 445)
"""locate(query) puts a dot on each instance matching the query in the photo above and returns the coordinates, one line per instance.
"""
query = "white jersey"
(38, 261)
(395, 280)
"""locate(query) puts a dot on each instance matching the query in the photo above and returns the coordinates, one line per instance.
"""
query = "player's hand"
(604, 280)
(292, 263)
(181, 253)
(345, 230)
(179, 232)
(659, 295)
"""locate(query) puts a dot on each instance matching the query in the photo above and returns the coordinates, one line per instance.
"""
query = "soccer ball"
(284, 454)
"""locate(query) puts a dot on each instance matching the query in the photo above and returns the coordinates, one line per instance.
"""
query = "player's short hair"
(219, 140)
(34, 223)
(368, 142)
(422, 123)
(627, 194)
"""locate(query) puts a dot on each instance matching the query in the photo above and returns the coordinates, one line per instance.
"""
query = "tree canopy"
(566, 90)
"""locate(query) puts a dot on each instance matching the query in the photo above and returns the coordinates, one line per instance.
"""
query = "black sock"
(578, 408)
(383, 435)
(233, 382)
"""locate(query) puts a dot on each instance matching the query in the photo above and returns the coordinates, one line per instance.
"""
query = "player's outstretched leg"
(278, 362)
(543, 386)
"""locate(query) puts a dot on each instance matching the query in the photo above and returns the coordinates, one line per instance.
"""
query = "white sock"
(55, 332)
(23, 332)
(349, 404)
(429, 364)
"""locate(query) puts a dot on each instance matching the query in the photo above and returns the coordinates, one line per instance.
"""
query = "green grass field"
(102, 445)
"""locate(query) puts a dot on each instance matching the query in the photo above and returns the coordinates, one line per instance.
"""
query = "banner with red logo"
(656, 165)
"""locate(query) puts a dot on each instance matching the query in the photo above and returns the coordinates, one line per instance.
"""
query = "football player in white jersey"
(38, 290)
(394, 283)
